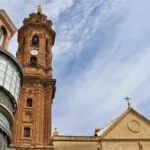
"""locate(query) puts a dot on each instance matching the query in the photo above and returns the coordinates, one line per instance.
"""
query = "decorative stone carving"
(37, 81)
(134, 126)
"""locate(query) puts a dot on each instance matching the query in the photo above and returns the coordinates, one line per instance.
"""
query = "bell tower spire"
(32, 127)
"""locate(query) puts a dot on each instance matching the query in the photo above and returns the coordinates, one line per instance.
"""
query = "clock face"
(34, 52)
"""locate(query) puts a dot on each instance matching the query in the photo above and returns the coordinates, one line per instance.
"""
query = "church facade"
(130, 131)
(32, 126)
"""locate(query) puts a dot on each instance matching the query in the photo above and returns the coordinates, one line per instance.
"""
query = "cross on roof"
(128, 101)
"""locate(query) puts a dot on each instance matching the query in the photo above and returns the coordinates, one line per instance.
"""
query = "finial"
(128, 101)
(39, 8)
(55, 132)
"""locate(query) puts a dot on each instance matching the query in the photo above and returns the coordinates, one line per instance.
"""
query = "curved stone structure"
(11, 78)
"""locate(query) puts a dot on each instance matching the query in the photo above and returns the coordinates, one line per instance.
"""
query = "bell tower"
(32, 127)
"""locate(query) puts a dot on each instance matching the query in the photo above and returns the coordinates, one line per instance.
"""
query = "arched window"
(35, 40)
(3, 33)
(29, 102)
(33, 61)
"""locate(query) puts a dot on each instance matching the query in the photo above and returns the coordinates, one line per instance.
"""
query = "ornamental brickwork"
(32, 127)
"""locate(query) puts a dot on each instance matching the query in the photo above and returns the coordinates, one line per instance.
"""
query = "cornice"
(94, 139)
(28, 146)
(126, 139)
(11, 25)
(40, 25)
(76, 138)
(46, 82)
(36, 79)
(38, 66)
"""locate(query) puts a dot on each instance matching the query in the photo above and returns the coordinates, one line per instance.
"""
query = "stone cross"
(128, 101)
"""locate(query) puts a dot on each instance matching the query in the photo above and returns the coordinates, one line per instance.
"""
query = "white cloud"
(55, 8)
(96, 95)
(117, 32)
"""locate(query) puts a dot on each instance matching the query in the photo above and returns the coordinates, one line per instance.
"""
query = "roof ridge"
(113, 123)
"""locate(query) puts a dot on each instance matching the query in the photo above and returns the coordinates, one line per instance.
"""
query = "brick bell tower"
(32, 127)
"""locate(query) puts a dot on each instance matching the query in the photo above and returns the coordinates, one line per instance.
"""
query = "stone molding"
(8, 21)
(46, 24)
(75, 138)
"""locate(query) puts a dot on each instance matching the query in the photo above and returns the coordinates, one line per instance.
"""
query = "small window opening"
(29, 102)
(26, 132)
(35, 40)
(33, 61)
(46, 44)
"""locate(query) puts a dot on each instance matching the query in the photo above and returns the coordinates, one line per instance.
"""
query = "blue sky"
(101, 54)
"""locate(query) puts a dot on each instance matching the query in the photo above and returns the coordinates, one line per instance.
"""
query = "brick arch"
(35, 37)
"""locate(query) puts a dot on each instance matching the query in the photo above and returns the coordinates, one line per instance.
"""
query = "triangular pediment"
(130, 125)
